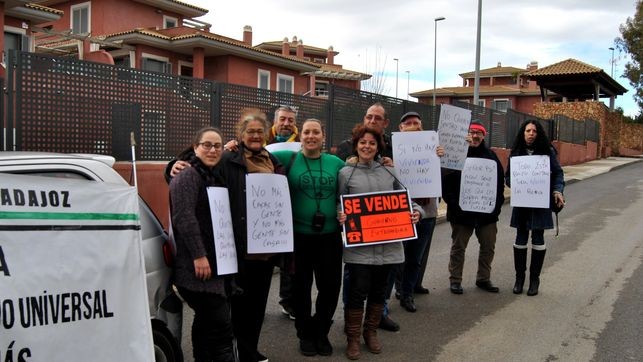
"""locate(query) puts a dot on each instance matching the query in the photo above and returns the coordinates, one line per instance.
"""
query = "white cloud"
(513, 32)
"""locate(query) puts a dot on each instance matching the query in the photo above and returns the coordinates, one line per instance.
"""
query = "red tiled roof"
(336, 71)
(189, 5)
(566, 67)
(181, 33)
(494, 72)
(45, 9)
(484, 90)
(293, 45)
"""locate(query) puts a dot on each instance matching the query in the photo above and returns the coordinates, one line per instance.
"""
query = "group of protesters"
(231, 308)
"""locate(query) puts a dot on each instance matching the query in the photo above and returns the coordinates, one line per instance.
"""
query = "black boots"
(537, 258)
(520, 264)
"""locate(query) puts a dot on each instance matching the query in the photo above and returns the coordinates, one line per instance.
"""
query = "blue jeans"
(413, 251)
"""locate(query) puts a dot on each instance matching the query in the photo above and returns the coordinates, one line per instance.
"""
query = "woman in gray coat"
(368, 266)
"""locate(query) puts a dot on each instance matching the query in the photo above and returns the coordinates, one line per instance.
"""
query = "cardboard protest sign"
(377, 218)
(453, 129)
(269, 222)
(224, 246)
(284, 146)
(478, 185)
(72, 277)
(530, 181)
(416, 164)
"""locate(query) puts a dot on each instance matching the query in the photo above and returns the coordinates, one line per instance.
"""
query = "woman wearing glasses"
(255, 270)
(195, 272)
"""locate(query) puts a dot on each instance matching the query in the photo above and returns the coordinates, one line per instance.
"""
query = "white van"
(165, 306)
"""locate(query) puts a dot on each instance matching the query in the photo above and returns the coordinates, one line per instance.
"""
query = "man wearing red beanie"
(464, 223)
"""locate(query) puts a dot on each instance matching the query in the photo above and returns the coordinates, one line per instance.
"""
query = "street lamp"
(397, 68)
(476, 79)
(435, 50)
(612, 74)
(408, 83)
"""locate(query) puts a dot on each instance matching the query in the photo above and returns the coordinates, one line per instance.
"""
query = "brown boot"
(352, 327)
(371, 321)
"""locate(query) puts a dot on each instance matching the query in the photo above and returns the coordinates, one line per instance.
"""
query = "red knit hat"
(477, 126)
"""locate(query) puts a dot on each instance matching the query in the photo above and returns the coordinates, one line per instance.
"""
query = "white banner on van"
(72, 276)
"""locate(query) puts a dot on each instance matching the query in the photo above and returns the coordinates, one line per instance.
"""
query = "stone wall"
(632, 136)
(610, 122)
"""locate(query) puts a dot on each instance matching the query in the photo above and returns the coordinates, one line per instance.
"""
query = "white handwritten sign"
(453, 129)
(284, 146)
(224, 247)
(269, 214)
(530, 181)
(478, 185)
(416, 164)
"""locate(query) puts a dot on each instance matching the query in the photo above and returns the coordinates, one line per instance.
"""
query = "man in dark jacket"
(464, 223)
(377, 119)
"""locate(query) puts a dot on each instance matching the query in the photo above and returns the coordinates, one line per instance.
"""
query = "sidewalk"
(573, 173)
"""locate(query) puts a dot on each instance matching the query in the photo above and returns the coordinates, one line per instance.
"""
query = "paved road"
(589, 307)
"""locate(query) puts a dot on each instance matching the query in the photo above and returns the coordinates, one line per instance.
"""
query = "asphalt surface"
(589, 307)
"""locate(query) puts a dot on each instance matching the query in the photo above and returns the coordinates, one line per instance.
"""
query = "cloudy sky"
(366, 33)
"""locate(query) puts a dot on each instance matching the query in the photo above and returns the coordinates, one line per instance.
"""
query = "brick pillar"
(198, 63)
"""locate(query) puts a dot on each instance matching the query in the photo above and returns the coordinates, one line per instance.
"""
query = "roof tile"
(566, 67)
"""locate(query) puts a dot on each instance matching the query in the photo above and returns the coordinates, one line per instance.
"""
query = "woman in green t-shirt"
(312, 178)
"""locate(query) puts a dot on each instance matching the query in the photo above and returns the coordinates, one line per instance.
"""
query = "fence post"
(10, 124)
(215, 99)
(330, 123)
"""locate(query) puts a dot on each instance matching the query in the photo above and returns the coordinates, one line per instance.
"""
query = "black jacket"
(451, 192)
(232, 168)
(192, 226)
(530, 217)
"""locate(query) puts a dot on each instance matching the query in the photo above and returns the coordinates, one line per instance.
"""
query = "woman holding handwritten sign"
(532, 140)
(369, 265)
(195, 269)
(255, 270)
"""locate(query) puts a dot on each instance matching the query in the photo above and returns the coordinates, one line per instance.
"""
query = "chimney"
(285, 47)
(330, 55)
(300, 49)
(533, 65)
(247, 35)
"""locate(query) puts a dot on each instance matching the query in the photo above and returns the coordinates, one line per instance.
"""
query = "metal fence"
(577, 132)
(65, 105)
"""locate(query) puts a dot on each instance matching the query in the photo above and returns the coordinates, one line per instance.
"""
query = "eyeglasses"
(258, 132)
(209, 146)
(377, 118)
(476, 133)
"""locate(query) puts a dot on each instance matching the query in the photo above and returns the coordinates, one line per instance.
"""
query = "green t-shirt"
(312, 182)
